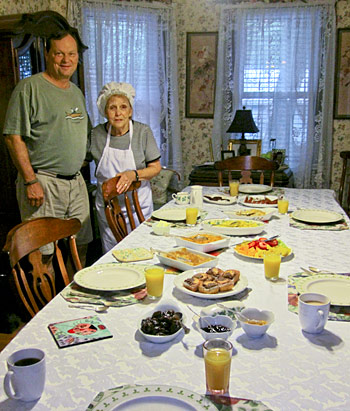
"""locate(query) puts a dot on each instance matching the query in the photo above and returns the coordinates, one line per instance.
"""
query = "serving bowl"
(161, 228)
(163, 306)
(254, 330)
(224, 320)
(205, 247)
(233, 226)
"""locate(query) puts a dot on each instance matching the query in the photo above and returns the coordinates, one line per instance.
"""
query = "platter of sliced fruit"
(259, 247)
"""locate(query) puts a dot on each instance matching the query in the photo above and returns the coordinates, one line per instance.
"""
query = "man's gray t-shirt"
(53, 123)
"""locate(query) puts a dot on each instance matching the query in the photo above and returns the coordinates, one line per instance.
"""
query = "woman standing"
(125, 148)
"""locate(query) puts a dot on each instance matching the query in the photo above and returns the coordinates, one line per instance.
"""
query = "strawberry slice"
(262, 245)
(252, 244)
(272, 243)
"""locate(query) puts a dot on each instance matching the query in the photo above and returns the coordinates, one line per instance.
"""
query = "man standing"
(46, 134)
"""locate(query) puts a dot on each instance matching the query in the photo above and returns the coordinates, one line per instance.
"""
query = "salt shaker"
(196, 197)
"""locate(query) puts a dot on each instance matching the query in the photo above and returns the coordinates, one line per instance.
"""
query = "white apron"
(112, 162)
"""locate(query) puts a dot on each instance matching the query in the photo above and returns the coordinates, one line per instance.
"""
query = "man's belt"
(61, 176)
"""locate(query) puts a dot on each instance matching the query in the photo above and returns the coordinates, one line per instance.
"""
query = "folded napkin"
(336, 313)
(342, 225)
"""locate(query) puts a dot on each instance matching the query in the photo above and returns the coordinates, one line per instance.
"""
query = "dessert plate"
(179, 279)
(316, 216)
(334, 286)
(109, 277)
(254, 188)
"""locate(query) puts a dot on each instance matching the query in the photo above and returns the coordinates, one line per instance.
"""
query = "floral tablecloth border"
(326, 227)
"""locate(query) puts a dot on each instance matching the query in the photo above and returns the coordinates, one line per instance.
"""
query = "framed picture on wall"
(249, 148)
(342, 76)
(201, 56)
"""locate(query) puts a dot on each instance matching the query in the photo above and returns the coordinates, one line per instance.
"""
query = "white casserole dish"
(205, 247)
(183, 265)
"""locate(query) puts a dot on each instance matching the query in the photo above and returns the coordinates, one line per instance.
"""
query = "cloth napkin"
(336, 313)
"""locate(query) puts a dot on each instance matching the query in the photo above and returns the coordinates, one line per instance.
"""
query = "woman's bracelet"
(29, 183)
(137, 176)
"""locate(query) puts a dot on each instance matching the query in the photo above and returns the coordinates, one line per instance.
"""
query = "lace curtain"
(136, 44)
(278, 60)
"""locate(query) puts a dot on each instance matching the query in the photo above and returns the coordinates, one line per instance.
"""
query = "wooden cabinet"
(22, 42)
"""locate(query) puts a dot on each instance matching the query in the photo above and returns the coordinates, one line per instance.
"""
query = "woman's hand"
(126, 178)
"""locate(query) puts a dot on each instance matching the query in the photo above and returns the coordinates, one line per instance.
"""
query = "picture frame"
(278, 155)
(201, 57)
(253, 146)
(227, 154)
(342, 75)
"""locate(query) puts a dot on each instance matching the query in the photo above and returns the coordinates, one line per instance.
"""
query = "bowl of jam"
(219, 326)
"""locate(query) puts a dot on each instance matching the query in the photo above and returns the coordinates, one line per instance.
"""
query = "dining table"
(286, 369)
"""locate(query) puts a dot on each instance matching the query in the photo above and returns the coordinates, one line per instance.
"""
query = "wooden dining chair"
(114, 215)
(36, 276)
(246, 164)
(345, 155)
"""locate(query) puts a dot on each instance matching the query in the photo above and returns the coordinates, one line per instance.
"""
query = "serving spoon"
(238, 314)
(207, 322)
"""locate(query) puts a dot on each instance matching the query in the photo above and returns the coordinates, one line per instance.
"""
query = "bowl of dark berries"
(163, 323)
(220, 326)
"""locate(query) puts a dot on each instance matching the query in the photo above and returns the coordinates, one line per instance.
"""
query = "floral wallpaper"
(202, 16)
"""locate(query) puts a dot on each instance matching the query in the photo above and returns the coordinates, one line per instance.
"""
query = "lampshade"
(243, 122)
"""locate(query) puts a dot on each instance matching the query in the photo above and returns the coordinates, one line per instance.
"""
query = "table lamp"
(243, 122)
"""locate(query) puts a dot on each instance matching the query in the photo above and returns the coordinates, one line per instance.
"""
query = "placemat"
(336, 313)
(342, 225)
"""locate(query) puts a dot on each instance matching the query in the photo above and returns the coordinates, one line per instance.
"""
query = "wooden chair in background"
(35, 280)
(160, 186)
(345, 155)
(246, 164)
(115, 217)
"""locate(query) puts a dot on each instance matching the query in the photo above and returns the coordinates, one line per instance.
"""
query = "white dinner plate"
(211, 225)
(109, 277)
(316, 216)
(334, 286)
(258, 197)
(170, 214)
(254, 188)
(219, 199)
(179, 279)
(152, 397)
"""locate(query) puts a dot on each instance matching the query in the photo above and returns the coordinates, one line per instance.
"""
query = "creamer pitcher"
(196, 196)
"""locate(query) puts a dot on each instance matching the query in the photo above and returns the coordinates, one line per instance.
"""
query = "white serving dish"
(258, 198)
(254, 330)
(204, 248)
(219, 199)
(233, 230)
(161, 228)
(217, 320)
(266, 216)
(182, 265)
(162, 306)
(238, 287)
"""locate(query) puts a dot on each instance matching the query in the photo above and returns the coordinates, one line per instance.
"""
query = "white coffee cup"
(181, 198)
(313, 312)
(25, 378)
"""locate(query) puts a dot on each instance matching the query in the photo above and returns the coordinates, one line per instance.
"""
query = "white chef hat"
(111, 89)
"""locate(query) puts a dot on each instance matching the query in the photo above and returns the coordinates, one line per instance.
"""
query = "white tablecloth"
(285, 369)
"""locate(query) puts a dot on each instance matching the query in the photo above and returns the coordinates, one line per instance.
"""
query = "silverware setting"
(99, 309)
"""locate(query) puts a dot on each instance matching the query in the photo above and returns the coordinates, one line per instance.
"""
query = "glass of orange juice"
(154, 281)
(234, 186)
(283, 204)
(217, 358)
(272, 264)
(191, 215)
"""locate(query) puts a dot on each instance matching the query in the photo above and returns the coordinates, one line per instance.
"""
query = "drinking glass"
(272, 264)
(191, 215)
(283, 204)
(154, 281)
(234, 186)
(217, 358)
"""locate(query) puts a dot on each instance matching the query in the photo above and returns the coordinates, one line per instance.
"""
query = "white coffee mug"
(197, 197)
(313, 312)
(25, 378)
(181, 198)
